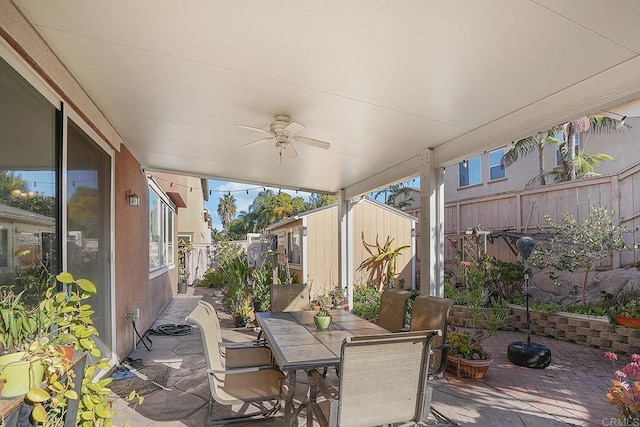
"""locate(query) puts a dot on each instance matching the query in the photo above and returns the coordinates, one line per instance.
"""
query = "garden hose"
(173, 329)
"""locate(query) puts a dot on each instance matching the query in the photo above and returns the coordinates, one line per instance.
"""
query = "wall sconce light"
(465, 163)
(413, 232)
(304, 230)
(132, 198)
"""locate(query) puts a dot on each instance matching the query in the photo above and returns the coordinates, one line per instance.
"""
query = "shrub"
(506, 279)
(366, 302)
(262, 287)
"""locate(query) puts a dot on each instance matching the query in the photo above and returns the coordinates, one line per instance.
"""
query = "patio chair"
(429, 313)
(241, 354)
(251, 385)
(393, 309)
(383, 380)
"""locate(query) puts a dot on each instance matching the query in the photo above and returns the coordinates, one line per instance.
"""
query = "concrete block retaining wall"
(586, 330)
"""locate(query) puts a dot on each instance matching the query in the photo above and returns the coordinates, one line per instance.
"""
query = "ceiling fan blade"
(289, 151)
(312, 142)
(248, 144)
(293, 128)
(253, 128)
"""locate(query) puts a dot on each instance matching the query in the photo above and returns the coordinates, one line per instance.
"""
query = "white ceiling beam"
(397, 173)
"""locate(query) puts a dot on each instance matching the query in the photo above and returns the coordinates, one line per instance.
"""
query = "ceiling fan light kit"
(282, 133)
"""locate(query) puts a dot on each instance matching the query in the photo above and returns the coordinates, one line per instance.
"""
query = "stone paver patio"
(572, 391)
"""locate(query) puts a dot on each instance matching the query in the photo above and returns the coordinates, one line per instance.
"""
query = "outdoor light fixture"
(304, 230)
(132, 198)
(464, 163)
(621, 121)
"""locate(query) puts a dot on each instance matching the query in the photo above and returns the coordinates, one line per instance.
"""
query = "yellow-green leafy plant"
(68, 310)
(19, 324)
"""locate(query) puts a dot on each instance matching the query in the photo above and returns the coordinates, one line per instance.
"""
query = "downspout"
(305, 258)
(413, 254)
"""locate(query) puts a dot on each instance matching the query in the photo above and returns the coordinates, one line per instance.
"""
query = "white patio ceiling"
(381, 81)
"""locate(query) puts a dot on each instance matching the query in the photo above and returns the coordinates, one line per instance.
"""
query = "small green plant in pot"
(322, 318)
(467, 358)
(625, 309)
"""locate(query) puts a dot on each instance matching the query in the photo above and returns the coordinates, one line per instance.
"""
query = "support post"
(431, 226)
(344, 266)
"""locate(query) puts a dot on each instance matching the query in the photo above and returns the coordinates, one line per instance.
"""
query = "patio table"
(296, 343)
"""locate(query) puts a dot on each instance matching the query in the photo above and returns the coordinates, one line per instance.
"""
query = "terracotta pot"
(473, 369)
(631, 322)
(68, 351)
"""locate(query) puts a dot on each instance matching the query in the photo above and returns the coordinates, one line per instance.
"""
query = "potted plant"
(339, 298)
(627, 314)
(314, 304)
(184, 250)
(68, 311)
(19, 327)
(322, 318)
(467, 358)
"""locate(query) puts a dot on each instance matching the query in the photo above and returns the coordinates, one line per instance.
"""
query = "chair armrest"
(247, 344)
(241, 370)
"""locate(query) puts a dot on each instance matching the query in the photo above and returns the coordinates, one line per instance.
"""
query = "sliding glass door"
(88, 223)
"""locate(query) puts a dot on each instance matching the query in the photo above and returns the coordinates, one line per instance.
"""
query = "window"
(470, 171)
(294, 245)
(167, 248)
(496, 170)
(4, 248)
(161, 218)
(559, 150)
(154, 230)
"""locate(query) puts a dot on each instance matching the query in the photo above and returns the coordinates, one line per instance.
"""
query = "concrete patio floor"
(572, 391)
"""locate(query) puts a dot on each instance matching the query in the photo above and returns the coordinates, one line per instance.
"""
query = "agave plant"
(381, 264)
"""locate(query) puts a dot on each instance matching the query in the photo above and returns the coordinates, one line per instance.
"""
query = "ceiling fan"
(282, 132)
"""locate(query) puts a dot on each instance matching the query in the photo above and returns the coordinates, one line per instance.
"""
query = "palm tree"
(393, 192)
(571, 131)
(527, 145)
(226, 209)
(575, 164)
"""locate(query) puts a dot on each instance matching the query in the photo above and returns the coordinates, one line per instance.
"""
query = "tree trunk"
(571, 152)
(584, 286)
(541, 141)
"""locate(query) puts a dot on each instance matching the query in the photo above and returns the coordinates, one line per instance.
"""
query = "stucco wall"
(619, 145)
(132, 284)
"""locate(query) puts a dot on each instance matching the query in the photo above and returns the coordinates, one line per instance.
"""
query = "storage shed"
(309, 242)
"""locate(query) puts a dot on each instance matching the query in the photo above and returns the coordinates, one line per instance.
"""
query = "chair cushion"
(264, 384)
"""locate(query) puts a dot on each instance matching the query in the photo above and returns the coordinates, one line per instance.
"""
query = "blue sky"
(239, 191)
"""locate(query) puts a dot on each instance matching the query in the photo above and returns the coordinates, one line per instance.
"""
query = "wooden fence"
(510, 214)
